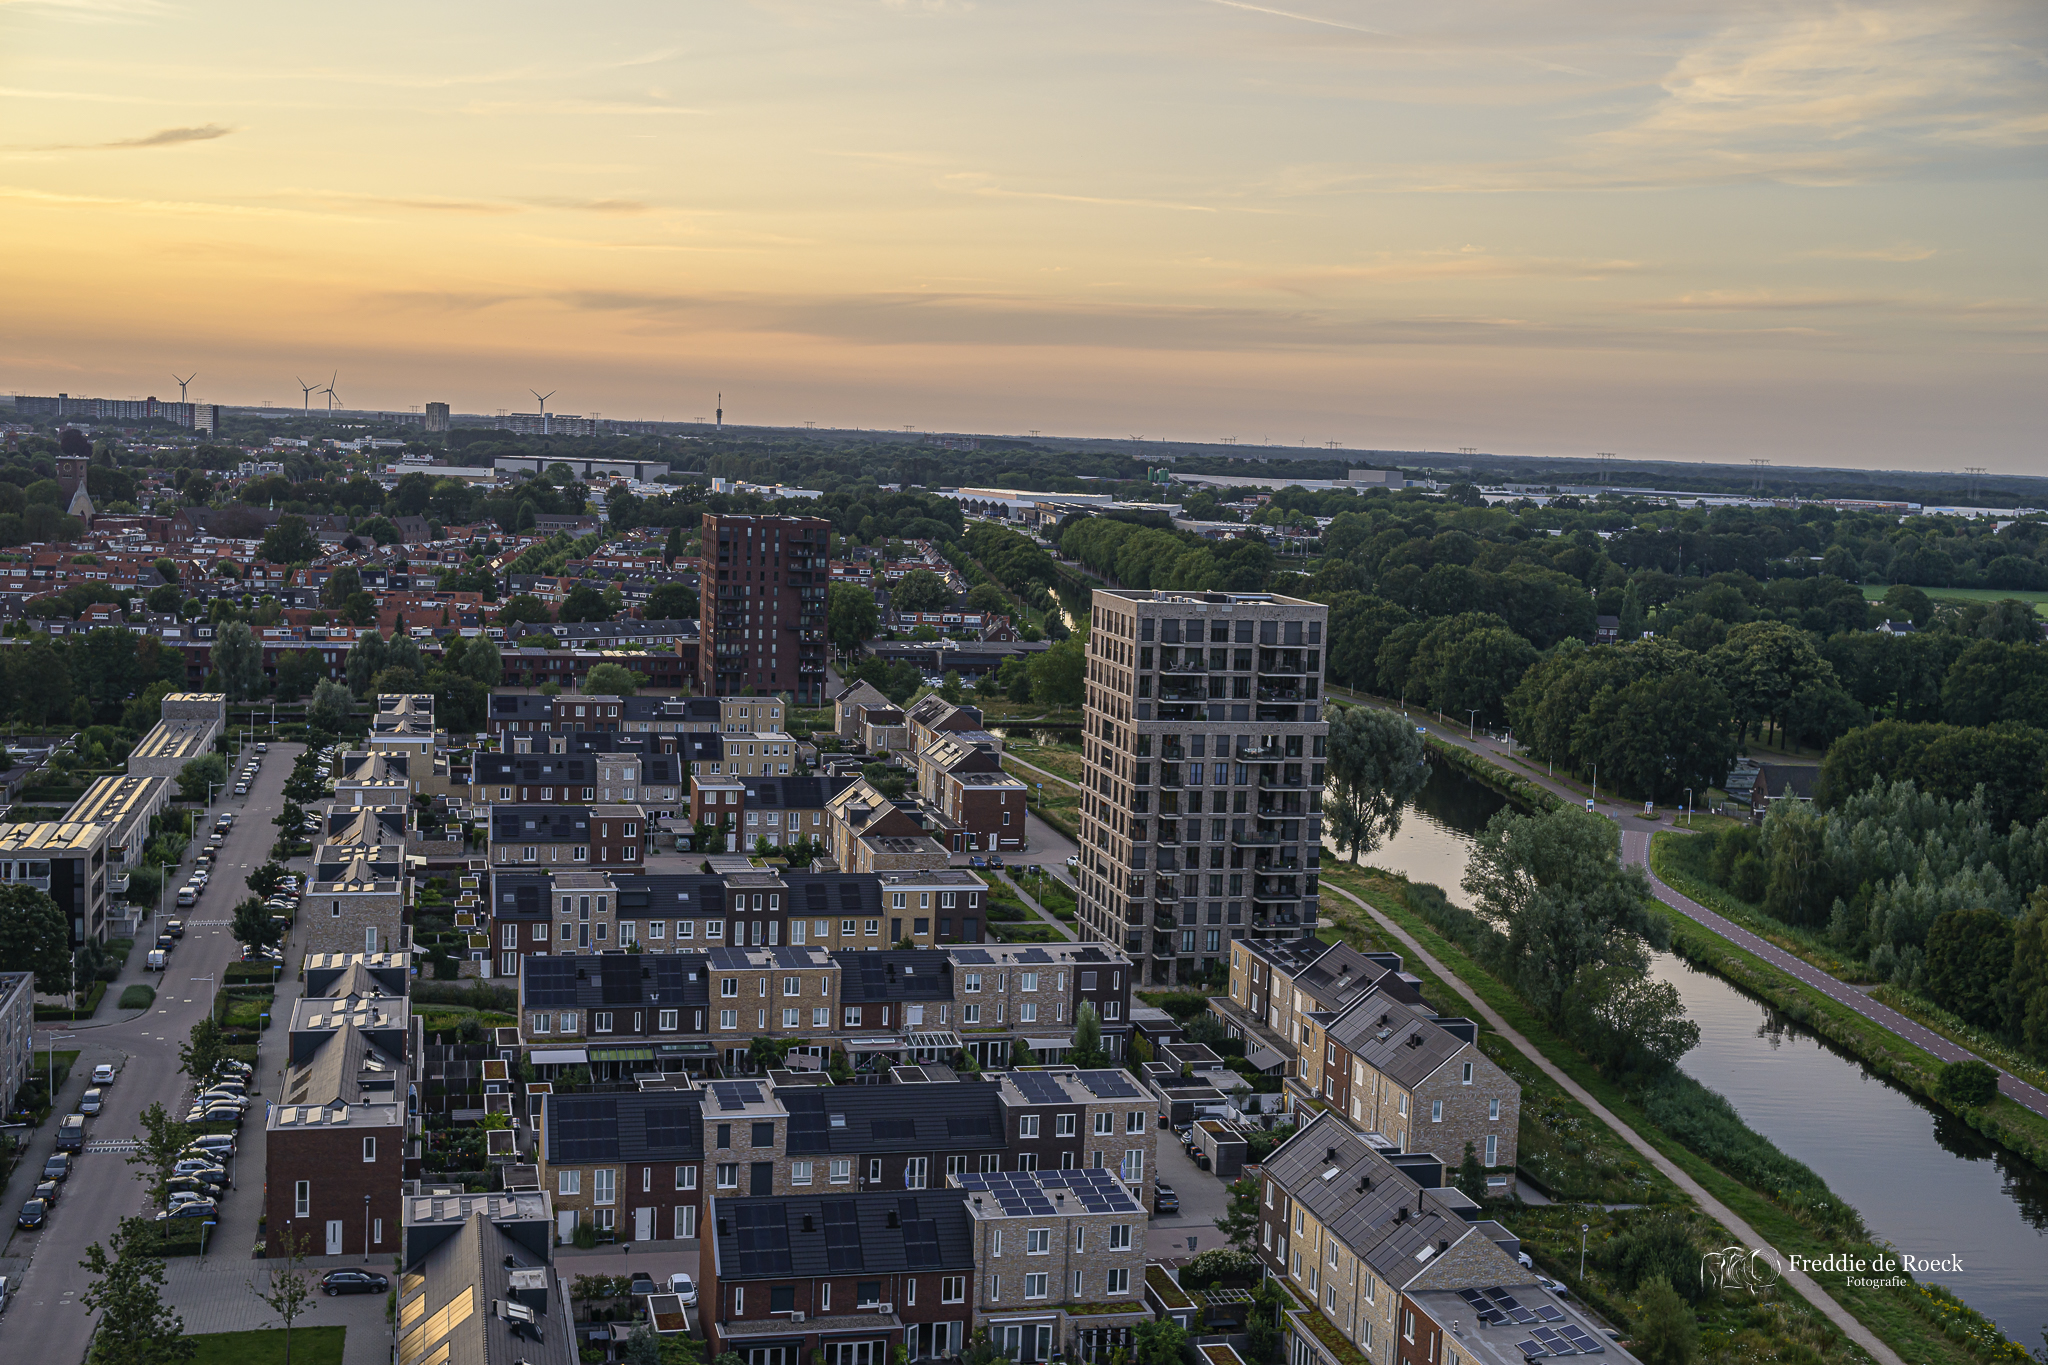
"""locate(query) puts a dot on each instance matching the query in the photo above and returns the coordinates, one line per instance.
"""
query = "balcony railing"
(1255, 838)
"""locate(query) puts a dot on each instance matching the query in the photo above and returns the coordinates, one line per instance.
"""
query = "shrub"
(138, 997)
(1659, 1249)
(1971, 1083)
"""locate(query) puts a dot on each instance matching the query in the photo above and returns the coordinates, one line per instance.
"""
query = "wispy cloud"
(1896, 255)
(1299, 17)
(1470, 263)
(162, 137)
(980, 183)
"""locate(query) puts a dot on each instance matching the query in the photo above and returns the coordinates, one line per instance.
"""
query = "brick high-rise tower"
(1201, 821)
(762, 591)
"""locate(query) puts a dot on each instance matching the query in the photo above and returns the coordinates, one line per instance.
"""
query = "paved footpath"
(1635, 848)
(1808, 1288)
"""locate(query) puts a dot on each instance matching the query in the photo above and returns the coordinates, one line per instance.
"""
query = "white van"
(187, 897)
(156, 960)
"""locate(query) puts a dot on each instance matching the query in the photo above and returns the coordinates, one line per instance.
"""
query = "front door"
(334, 1237)
(565, 1225)
(643, 1224)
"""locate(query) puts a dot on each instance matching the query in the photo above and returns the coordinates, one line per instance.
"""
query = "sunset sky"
(1804, 231)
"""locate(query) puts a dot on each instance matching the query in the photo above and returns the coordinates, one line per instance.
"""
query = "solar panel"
(973, 957)
(1037, 1087)
(762, 1232)
(1531, 1350)
(1519, 1315)
(814, 899)
(849, 896)
(920, 1236)
(1502, 1299)
(892, 1128)
(1473, 1297)
(1109, 1085)
(842, 1235)
(668, 1125)
(1550, 1313)
(586, 1129)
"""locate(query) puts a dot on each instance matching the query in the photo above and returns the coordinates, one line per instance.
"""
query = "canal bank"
(1993, 1211)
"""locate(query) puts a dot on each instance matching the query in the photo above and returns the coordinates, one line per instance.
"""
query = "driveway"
(1203, 1199)
(103, 1189)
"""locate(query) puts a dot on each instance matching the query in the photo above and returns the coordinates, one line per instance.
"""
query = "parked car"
(156, 961)
(995, 860)
(262, 748)
(196, 1208)
(47, 1192)
(226, 820)
(217, 1113)
(1164, 1200)
(201, 1169)
(175, 928)
(58, 1167)
(91, 1102)
(188, 896)
(681, 1284)
(71, 1133)
(241, 789)
(977, 862)
(103, 1074)
(32, 1214)
(1554, 1287)
(351, 1281)
(166, 942)
(188, 1184)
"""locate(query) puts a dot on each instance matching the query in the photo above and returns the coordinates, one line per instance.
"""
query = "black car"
(47, 1192)
(58, 1167)
(32, 1214)
(1165, 1200)
(353, 1282)
(175, 927)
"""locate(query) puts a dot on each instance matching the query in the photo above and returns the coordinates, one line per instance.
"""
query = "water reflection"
(1923, 1180)
(1436, 832)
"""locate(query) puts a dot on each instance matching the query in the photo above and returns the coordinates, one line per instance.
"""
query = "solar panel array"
(733, 1095)
(668, 1125)
(550, 981)
(920, 1236)
(762, 1232)
(892, 1128)
(1495, 1306)
(1018, 1193)
(973, 957)
(814, 899)
(1039, 1088)
(849, 897)
(842, 1234)
(586, 1128)
(1109, 1085)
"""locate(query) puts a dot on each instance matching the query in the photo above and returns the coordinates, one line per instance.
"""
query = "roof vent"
(809, 1226)
(1415, 1040)
(1400, 1216)
(1329, 1154)
(1364, 1183)
(894, 1221)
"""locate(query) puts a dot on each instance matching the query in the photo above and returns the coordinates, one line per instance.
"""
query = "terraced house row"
(854, 1221)
(688, 1009)
(1382, 1258)
(1359, 1040)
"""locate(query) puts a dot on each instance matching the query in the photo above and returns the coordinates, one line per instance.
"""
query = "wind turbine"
(308, 390)
(181, 383)
(543, 397)
(331, 394)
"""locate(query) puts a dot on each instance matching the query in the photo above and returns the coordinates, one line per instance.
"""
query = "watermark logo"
(1740, 1270)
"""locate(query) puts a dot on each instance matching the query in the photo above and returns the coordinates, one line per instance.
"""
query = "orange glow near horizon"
(1807, 232)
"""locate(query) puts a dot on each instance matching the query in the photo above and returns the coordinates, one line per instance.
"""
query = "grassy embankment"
(1923, 1325)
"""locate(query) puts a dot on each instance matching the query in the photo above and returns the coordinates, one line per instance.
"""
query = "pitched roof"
(958, 1116)
(1400, 1041)
(643, 1125)
(854, 1234)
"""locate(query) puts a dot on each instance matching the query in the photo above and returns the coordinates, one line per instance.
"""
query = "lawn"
(1874, 592)
(310, 1346)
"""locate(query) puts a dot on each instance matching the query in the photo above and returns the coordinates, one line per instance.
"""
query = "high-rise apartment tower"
(1202, 818)
(762, 593)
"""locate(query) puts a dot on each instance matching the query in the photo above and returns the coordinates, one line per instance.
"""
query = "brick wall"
(330, 1163)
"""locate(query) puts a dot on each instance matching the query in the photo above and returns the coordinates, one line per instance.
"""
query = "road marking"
(112, 1145)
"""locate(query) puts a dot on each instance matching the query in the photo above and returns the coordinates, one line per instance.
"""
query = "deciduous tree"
(135, 1326)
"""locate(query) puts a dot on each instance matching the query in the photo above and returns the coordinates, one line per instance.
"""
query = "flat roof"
(119, 799)
(52, 837)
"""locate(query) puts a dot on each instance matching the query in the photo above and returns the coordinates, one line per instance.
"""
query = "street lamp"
(1472, 722)
(208, 979)
(50, 1041)
(366, 1231)
(1584, 1228)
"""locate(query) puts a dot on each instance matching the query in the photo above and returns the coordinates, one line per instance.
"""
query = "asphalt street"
(143, 1046)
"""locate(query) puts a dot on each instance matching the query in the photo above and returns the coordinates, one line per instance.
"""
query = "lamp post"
(50, 1041)
(1688, 807)
(1596, 782)
(366, 1231)
(1584, 1228)
(208, 979)
(1472, 722)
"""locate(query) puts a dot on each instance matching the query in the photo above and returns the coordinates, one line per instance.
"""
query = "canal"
(1924, 1182)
